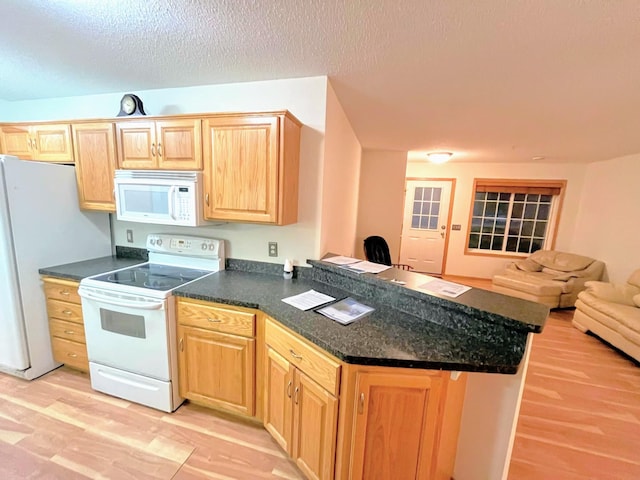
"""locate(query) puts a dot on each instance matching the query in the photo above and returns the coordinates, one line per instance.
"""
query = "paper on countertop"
(448, 289)
(366, 267)
(308, 300)
(340, 260)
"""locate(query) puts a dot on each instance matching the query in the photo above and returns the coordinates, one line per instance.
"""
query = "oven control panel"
(185, 245)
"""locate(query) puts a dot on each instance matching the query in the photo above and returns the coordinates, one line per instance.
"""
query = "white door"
(424, 226)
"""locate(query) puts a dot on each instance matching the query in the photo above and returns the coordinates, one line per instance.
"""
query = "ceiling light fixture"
(439, 157)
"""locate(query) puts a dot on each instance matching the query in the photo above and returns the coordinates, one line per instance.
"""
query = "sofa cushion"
(564, 262)
(535, 283)
(618, 313)
(634, 279)
(528, 265)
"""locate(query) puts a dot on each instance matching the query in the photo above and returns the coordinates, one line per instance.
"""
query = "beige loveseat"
(548, 276)
(612, 311)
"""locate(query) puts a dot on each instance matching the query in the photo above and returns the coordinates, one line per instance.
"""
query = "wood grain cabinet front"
(251, 168)
(216, 368)
(301, 414)
(170, 144)
(66, 325)
(94, 149)
(43, 142)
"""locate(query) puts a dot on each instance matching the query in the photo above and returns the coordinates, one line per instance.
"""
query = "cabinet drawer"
(65, 291)
(70, 312)
(70, 331)
(308, 358)
(72, 354)
(216, 318)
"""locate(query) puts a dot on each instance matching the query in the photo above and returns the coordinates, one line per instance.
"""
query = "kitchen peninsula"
(404, 355)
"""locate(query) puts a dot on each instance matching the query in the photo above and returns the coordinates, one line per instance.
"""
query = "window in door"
(426, 208)
(513, 217)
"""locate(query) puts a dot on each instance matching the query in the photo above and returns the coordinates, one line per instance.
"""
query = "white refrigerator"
(41, 225)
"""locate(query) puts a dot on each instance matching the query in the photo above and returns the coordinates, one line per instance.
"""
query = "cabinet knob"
(64, 292)
(182, 344)
(289, 389)
(159, 149)
(214, 320)
(153, 149)
(69, 332)
(296, 393)
(72, 355)
(295, 355)
(67, 312)
(206, 199)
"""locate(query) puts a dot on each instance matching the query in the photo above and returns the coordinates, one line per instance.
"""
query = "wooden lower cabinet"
(66, 325)
(398, 423)
(395, 426)
(216, 368)
(301, 416)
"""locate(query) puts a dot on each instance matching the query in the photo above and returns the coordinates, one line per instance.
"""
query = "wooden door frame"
(449, 213)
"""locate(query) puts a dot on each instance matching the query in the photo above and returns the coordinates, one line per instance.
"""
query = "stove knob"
(159, 242)
(212, 246)
(204, 246)
(152, 241)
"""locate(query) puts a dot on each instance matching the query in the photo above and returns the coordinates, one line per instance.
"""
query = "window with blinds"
(514, 217)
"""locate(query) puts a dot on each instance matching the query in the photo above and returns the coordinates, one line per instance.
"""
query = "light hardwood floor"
(580, 419)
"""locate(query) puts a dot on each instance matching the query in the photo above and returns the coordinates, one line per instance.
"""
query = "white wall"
(305, 98)
(488, 424)
(381, 199)
(340, 178)
(607, 224)
(485, 266)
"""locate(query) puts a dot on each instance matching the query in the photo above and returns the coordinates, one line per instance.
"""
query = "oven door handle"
(118, 303)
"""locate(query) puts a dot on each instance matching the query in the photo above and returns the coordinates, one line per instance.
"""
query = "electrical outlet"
(130, 236)
(273, 249)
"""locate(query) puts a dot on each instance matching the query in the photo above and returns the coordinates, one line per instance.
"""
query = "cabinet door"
(95, 152)
(136, 143)
(179, 144)
(241, 169)
(52, 143)
(217, 369)
(315, 424)
(16, 140)
(278, 384)
(395, 426)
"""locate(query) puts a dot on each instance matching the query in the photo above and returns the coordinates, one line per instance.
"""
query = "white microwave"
(159, 196)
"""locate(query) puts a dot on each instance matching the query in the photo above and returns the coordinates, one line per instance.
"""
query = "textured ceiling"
(494, 80)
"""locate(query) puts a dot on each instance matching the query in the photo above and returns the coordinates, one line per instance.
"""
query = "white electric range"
(129, 318)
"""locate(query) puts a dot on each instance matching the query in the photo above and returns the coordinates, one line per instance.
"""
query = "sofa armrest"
(613, 292)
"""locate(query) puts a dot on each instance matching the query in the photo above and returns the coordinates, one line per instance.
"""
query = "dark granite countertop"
(86, 268)
(480, 331)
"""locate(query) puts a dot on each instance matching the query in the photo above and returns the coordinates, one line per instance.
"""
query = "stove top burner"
(154, 276)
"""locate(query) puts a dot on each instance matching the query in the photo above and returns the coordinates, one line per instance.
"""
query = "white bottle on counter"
(287, 273)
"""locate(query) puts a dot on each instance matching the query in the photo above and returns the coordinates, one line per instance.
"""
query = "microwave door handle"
(118, 303)
(172, 201)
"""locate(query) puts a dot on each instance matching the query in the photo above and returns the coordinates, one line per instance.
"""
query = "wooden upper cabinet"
(163, 144)
(47, 142)
(95, 153)
(179, 144)
(251, 168)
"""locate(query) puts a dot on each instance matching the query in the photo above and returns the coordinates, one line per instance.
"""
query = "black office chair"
(376, 250)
